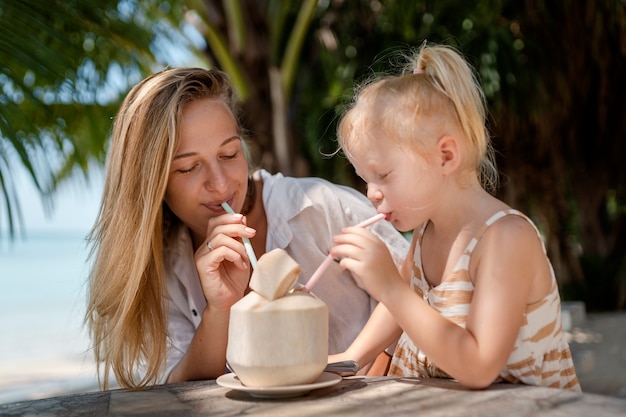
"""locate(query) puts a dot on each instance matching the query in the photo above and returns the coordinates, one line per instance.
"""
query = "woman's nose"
(216, 179)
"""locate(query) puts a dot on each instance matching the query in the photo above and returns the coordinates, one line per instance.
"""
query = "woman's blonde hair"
(126, 311)
(436, 83)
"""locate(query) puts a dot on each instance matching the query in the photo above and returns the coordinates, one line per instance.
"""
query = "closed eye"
(230, 156)
(187, 170)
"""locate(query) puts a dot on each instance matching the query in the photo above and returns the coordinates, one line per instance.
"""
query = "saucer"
(326, 379)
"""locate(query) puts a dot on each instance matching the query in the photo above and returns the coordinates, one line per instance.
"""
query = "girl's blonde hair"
(126, 311)
(437, 83)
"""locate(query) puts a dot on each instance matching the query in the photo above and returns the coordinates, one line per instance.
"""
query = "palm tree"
(552, 72)
(259, 43)
(64, 65)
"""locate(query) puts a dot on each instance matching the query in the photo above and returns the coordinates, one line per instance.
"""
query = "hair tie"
(418, 71)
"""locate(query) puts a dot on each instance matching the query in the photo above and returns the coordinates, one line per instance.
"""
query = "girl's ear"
(449, 154)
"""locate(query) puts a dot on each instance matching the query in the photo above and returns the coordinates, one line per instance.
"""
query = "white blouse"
(303, 214)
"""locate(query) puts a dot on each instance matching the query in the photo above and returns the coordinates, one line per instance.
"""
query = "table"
(352, 396)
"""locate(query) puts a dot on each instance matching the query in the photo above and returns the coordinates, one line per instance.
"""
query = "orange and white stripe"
(541, 355)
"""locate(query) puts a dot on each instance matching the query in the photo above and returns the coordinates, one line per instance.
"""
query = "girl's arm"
(379, 332)
(507, 262)
(506, 265)
(381, 329)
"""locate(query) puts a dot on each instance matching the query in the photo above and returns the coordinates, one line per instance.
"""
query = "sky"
(75, 207)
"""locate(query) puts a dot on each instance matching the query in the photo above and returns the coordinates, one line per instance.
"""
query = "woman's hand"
(367, 258)
(222, 262)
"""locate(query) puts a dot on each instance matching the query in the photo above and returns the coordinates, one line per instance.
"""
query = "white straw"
(329, 259)
(246, 241)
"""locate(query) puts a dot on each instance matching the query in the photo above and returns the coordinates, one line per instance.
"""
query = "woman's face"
(209, 166)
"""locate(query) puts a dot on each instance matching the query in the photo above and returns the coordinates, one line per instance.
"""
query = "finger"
(232, 230)
(228, 234)
(350, 264)
(214, 259)
(350, 249)
(223, 248)
(220, 224)
(352, 236)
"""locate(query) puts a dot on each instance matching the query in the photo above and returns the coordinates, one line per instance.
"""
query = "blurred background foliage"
(553, 73)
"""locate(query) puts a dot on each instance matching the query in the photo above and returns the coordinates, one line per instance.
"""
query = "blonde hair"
(437, 83)
(126, 311)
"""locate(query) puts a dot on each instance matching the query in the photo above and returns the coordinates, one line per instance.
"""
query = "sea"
(44, 348)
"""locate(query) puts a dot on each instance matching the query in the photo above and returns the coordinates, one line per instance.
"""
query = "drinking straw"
(329, 259)
(246, 241)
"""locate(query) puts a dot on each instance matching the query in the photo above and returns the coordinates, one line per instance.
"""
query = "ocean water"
(44, 348)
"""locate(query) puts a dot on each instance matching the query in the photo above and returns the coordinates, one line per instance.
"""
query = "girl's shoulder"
(510, 226)
(511, 242)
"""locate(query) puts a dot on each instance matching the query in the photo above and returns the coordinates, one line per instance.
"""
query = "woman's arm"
(206, 355)
(224, 274)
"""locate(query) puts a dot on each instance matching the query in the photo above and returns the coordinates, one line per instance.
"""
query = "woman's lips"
(217, 207)
(214, 207)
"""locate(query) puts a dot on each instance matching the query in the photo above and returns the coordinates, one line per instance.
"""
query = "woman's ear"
(449, 153)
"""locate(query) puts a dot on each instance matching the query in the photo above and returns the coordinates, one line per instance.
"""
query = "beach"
(45, 347)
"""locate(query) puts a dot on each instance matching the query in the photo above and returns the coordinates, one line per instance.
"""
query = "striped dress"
(541, 355)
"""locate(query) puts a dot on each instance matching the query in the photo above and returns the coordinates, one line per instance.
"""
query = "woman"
(168, 261)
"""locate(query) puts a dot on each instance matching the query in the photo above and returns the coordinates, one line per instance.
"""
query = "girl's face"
(209, 166)
(401, 183)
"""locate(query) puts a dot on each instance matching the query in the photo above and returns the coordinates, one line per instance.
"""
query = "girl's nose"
(374, 193)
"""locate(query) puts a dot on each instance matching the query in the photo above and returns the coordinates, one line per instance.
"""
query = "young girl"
(476, 299)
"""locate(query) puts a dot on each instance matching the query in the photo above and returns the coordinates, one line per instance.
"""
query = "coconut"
(275, 274)
(277, 339)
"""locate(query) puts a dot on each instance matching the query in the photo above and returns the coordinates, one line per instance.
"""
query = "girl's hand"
(224, 266)
(367, 258)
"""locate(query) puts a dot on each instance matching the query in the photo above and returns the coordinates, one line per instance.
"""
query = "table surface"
(352, 396)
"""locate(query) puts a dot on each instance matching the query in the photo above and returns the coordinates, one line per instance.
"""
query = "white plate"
(326, 379)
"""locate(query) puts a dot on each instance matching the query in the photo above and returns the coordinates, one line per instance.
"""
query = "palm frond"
(64, 66)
